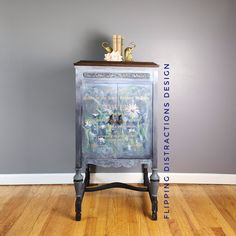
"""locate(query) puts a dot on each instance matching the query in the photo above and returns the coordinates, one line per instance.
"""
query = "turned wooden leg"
(79, 189)
(145, 175)
(87, 176)
(78, 203)
(154, 208)
(153, 189)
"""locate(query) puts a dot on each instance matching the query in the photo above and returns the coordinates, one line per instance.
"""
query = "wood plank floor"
(49, 210)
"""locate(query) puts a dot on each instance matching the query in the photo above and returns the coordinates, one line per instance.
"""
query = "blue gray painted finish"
(120, 93)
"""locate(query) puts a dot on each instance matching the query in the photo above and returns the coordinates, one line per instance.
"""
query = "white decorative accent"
(113, 56)
(132, 110)
(67, 178)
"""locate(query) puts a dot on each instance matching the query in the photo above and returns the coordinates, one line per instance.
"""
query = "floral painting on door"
(117, 120)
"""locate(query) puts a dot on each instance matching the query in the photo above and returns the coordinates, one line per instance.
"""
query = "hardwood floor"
(49, 210)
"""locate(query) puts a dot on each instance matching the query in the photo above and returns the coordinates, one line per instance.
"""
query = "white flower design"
(132, 110)
(131, 130)
(113, 56)
(95, 115)
(87, 124)
(102, 126)
(101, 140)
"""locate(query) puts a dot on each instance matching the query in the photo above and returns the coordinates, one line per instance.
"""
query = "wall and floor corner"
(40, 41)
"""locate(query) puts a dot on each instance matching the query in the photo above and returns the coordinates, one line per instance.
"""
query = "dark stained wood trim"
(116, 63)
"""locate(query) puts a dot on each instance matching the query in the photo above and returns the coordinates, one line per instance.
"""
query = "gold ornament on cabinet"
(105, 45)
(116, 52)
(129, 52)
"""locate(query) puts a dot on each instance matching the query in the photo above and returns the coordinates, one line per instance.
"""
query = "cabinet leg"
(154, 208)
(153, 189)
(79, 189)
(145, 175)
(78, 203)
(87, 176)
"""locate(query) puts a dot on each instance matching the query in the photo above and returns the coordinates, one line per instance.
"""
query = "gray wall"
(40, 41)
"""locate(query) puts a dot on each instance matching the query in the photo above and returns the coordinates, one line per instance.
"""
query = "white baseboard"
(67, 178)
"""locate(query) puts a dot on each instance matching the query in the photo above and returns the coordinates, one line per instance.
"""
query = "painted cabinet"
(116, 116)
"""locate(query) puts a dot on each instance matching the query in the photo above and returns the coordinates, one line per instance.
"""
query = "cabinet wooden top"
(116, 63)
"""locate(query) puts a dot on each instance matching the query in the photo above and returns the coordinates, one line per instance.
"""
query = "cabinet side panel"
(155, 115)
(78, 115)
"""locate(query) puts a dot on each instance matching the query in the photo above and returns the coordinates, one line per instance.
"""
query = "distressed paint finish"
(116, 75)
(135, 134)
(98, 135)
(117, 120)
(116, 111)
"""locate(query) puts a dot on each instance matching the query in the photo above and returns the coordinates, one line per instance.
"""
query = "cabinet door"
(135, 109)
(98, 129)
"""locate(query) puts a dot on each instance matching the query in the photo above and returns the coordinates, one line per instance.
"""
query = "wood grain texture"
(116, 63)
(49, 210)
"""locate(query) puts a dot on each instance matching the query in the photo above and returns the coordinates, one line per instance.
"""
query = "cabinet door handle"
(120, 120)
(111, 119)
